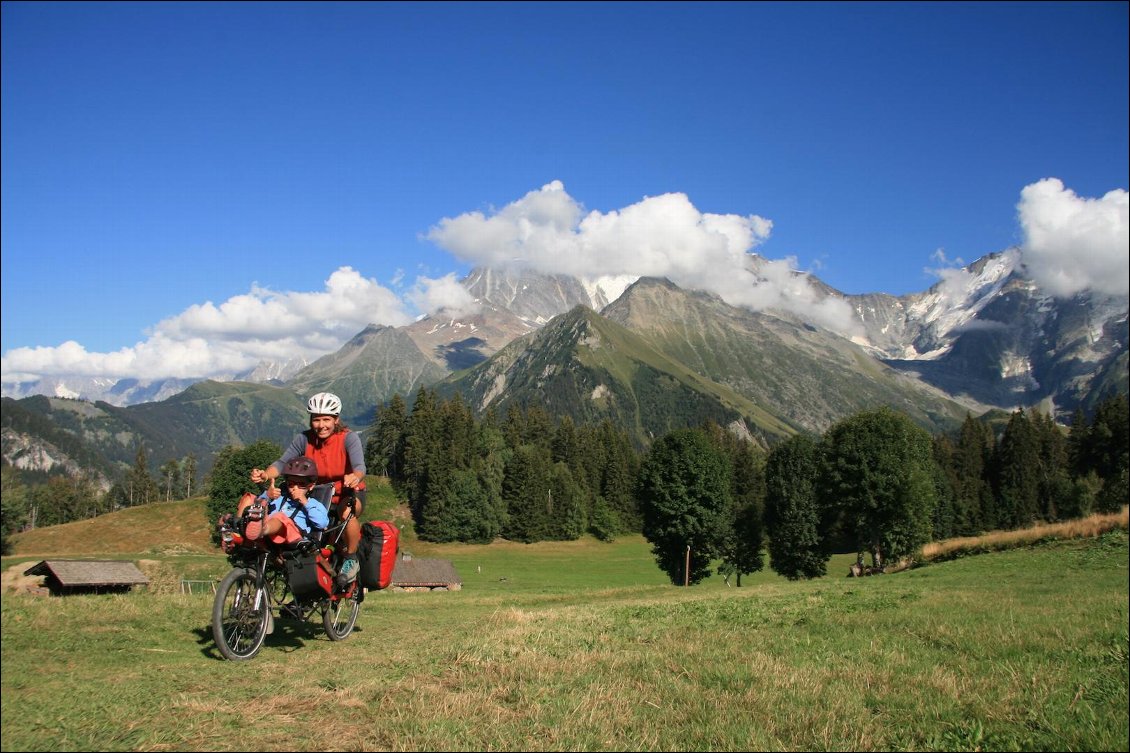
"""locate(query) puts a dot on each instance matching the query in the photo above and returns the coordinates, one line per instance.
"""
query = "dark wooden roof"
(90, 572)
(420, 573)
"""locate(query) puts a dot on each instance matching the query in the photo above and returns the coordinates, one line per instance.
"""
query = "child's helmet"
(301, 467)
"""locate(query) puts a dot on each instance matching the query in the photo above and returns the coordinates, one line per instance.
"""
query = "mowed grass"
(587, 646)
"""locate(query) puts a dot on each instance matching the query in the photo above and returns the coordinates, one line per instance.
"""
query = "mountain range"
(645, 354)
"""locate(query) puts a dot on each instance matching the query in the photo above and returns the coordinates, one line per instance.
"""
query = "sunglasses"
(292, 481)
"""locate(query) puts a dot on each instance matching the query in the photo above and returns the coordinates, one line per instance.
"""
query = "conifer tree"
(945, 483)
(478, 518)
(568, 517)
(1054, 487)
(527, 492)
(1017, 462)
(63, 499)
(975, 509)
(422, 444)
(538, 427)
(384, 450)
(618, 477)
(490, 467)
(741, 548)
(1110, 452)
(452, 504)
(13, 506)
(231, 476)
(1078, 444)
(568, 446)
(141, 487)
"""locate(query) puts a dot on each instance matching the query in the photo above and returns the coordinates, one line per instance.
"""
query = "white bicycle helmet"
(324, 404)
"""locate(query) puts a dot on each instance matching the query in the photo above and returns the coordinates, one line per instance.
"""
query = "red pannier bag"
(380, 543)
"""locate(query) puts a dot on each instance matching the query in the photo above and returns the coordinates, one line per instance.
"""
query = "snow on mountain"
(987, 318)
(604, 290)
(273, 371)
(922, 326)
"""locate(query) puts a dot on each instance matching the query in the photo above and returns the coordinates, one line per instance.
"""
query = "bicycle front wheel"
(239, 625)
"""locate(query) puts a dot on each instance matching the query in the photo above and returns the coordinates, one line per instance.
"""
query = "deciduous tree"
(231, 476)
(877, 469)
(684, 495)
(798, 545)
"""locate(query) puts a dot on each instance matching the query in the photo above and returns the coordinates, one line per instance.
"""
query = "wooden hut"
(411, 574)
(88, 576)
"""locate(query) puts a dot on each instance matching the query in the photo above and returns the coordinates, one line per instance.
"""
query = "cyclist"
(341, 459)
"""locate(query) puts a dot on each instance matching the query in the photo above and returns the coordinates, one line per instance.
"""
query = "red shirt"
(332, 459)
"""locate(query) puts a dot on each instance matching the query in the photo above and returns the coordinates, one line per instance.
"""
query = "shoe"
(254, 528)
(348, 572)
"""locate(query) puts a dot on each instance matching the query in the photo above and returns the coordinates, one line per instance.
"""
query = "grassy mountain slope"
(33, 440)
(805, 377)
(368, 370)
(200, 420)
(209, 415)
(591, 369)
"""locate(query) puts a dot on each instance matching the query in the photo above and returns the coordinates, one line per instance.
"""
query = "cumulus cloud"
(659, 236)
(1072, 243)
(443, 295)
(209, 340)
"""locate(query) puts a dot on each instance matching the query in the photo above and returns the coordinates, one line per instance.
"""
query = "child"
(292, 516)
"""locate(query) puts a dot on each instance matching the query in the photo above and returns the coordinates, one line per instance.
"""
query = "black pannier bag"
(309, 575)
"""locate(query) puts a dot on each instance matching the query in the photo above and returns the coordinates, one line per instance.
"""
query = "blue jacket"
(311, 515)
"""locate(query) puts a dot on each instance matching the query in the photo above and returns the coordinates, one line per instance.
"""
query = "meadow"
(583, 646)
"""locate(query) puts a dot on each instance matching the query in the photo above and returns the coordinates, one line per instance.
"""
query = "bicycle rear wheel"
(340, 616)
(239, 627)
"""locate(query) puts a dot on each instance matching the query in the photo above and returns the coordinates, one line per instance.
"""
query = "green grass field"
(586, 646)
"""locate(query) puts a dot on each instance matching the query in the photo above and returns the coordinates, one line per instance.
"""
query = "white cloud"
(206, 340)
(954, 278)
(445, 295)
(659, 236)
(1073, 243)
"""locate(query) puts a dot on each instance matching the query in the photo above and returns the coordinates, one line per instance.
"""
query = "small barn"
(411, 574)
(88, 576)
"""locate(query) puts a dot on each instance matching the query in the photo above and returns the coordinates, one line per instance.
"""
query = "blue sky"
(190, 186)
